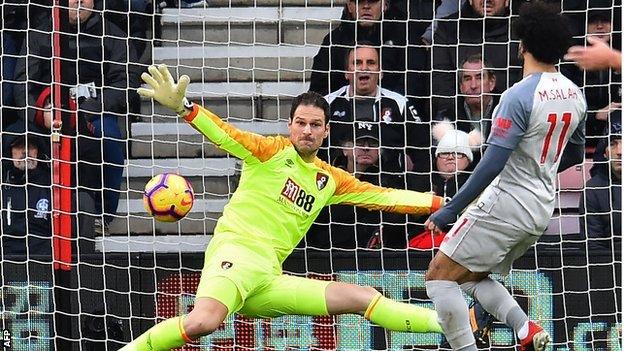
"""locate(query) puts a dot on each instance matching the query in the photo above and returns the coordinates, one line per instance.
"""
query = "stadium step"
(134, 219)
(259, 3)
(243, 101)
(239, 62)
(151, 243)
(134, 207)
(205, 187)
(248, 25)
(205, 167)
(181, 140)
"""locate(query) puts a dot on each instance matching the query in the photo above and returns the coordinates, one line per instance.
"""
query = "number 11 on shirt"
(553, 119)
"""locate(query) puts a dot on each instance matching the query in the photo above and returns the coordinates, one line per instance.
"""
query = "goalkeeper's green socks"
(403, 317)
(164, 336)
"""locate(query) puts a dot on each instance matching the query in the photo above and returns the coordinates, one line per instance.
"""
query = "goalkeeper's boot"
(481, 323)
(537, 340)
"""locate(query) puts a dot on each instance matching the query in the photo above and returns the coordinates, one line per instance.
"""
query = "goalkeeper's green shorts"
(253, 285)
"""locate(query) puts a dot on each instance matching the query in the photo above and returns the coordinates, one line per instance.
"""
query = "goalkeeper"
(283, 186)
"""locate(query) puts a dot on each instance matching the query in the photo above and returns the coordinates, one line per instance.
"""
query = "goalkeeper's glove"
(165, 90)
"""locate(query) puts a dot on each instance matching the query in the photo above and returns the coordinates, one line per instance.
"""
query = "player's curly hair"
(310, 98)
(544, 31)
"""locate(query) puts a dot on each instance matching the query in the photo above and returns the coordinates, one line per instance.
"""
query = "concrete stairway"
(246, 61)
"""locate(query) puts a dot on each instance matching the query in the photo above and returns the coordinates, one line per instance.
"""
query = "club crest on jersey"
(226, 265)
(386, 115)
(42, 208)
(321, 180)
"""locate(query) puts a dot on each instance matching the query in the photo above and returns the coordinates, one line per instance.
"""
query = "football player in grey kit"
(538, 131)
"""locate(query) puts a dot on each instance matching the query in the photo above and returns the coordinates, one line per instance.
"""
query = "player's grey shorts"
(483, 243)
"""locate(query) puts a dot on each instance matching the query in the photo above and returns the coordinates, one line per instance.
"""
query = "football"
(168, 197)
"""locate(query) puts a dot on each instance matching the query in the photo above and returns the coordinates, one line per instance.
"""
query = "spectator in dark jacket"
(476, 102)
(26, 194)
(351, 228)
(363, 100)
(602, 200)
(15, 19)
(602, 88)
(94, 64)
(368, 20)
(474, 29)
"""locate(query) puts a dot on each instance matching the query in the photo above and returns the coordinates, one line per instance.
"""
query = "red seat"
(568, 224)
(567, 200)
(574, 178)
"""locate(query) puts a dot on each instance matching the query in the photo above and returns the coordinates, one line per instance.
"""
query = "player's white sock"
(524, 331)
(497, 300)
(452, 313)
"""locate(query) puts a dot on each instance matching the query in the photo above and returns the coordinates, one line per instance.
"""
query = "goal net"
(84, 267)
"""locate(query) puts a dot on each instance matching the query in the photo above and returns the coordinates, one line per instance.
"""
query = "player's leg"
(294, 295)
(478, 244)
(349, 298)
(442, 288)
(287, 295)
(207, 314)
(496, 299)
(212, 307)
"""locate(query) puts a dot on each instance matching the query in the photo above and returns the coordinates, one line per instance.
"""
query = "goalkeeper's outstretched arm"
(351, 191)
(247, 146)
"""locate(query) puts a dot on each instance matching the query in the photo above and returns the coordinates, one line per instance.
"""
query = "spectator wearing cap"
(601, 204)
(349, 227)
(476, 101)
(602, 88)
(363, 100)
(453, 157)
(363, 158)
(372, 21)
(26, 195)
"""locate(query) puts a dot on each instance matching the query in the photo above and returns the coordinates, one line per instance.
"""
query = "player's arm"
(574, 152)
(247, 146)
(487, 170)
(351, 191)
(507, 131)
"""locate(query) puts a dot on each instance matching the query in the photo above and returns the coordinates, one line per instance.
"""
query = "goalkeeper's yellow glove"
(164, 89)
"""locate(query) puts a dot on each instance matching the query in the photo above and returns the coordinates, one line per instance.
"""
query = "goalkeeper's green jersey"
(280, 195)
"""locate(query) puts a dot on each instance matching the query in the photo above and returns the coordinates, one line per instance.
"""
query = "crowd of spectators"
(87, 70)
(391, 71)
(470, 57)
